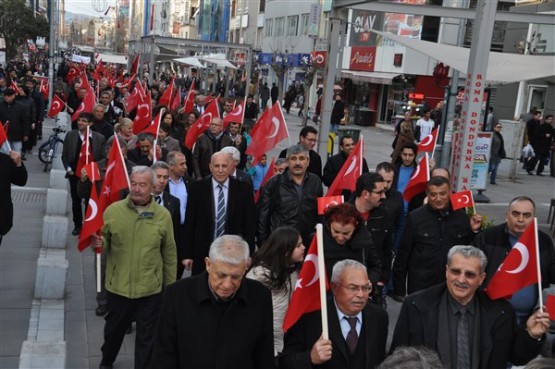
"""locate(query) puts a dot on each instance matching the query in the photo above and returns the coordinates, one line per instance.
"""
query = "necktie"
(220, 213)
(352, 336)
(158, 199)
(463, 344)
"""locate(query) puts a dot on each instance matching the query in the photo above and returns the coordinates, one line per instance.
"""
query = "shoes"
(102, 366)
(76, 231)
(23, 157)
(493, 183)
(530, 173)
(539, 174)
(101, 310)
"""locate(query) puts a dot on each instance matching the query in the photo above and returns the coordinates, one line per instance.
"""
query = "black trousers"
(539, 159)
(121, 311)
(76, 207)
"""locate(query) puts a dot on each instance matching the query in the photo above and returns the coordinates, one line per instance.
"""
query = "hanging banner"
(482, 150)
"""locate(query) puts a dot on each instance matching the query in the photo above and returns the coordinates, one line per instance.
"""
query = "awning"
(192, 60)
(381, 78)
(218, 59)
(502, 67)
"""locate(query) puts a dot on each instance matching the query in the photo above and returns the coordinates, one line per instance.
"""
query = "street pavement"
(83, 330)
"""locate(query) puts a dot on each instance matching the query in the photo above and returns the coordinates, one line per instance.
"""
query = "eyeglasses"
(353, 288)
(467, 273)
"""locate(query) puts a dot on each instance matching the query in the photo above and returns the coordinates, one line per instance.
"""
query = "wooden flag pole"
(540, 296)
(322, 280)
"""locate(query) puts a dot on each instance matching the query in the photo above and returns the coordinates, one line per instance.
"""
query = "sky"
(86, 6)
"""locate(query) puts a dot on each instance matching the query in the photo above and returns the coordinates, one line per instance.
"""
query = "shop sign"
(318, 58)
(362, 58)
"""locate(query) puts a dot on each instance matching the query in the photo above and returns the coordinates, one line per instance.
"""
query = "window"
(261, 6)
(304, 24)
(280, 27)
(292, 22)
(268, 27)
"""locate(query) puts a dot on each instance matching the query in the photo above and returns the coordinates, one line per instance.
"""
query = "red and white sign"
(362, 58)
(318, 58)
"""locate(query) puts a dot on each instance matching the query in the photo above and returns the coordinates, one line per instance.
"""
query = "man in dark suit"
(13, 171)
(217, 319)
(70, 158)
(162, 196)
(217, 205)
(357, 330)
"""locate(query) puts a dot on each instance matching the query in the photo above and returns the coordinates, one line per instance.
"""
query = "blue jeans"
(493, 165)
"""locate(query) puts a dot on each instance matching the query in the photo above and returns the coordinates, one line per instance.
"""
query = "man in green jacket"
(141, 254)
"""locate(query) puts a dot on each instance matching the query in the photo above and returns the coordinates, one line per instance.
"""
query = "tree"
(18, 23)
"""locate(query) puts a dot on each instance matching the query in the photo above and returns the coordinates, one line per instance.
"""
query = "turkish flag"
(202, 123)
(144, 115)
(269, 174)
(14, 87)
(84, 81)
(347, 177)
(418, 180)
(116, 178)
(236, 115)
(176, 103)
(126, 84)
(4, 136)
(428, 144)
(136, 97)
(262, 118)
(269, 133)
(306, 296)
(154, 127)
(99, 71)
(71, 74)
(92, 171)
(189, 104)
(86, 105)
(57, 106)
(462, 199)
(85, 154)
(327, 201)
(520, 267)
(135, 65)
(167, 96)
(93, 221)
(44, 88)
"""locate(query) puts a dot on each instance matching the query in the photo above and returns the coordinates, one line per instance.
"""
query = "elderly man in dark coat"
(217, 319)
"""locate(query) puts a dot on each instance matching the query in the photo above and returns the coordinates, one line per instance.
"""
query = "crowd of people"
(194, 210)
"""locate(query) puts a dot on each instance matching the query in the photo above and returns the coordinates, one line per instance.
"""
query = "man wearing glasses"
(357, 329)
(211, 141)
(467, 329)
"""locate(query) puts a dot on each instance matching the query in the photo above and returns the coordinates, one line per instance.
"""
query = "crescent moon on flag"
(427, 140)
(525, 256)
(466, 199)
(239, 110)
(94, 210)
(109, 169)
(275, 121)
(416, 172)
(56, 104)
(312, 258)
(352, 166)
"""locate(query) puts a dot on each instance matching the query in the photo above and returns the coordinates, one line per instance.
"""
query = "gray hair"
(235, 154)
(100, 106)
(412, 358)
(160, 165)
(110, 141)
(280, 161)
(230, 249)
(340, 266)
(142, 169)
(145, 136)
(540, 363)
(468, 252)
(297, 149)
(217, 154)
(172, 157)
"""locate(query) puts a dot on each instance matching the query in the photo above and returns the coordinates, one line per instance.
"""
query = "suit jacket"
(191, 332)
(301, 337)
(9, 173)
(172, 204)
(241, 176)
(72, 148)
(200, 218)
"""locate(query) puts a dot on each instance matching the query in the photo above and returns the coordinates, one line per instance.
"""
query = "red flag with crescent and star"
(462, 199)
(166, 98)
(93, 220)
(176, 103)
(327, 201)
(269, 132)
(144, 115)
(44, 88)
(347, 177)
(135, 65)
(136, 97)
(115, 179)
(306, 296)
(236, 115)
(520, 267)
(428, 144)
(418, 180)
(189, 104)
(202, 123)
(56, 107)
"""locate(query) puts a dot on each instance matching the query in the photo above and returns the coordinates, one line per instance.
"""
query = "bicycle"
(47, 151)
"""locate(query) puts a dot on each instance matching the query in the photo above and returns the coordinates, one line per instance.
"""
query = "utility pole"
(53, 47)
